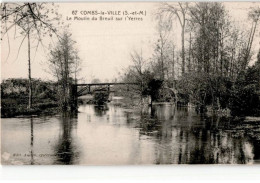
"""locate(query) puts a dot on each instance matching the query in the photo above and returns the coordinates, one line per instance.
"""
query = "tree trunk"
(162, 59)
(250, 43)
(189, 64)
(29, 72)
(173, 65)
(162, 65)
(183, 50)
(65, 90)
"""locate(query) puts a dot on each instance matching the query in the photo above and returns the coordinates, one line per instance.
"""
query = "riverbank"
(14, 97)
(10, 108)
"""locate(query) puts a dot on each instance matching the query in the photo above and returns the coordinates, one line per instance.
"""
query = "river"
(112, 135)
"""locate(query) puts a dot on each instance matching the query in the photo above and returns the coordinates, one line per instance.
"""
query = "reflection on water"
(31, 120)
(65, 150)
(113, 135)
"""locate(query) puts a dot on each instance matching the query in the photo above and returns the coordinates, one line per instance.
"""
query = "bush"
(14, 97)
(100, 98)
(245, 99)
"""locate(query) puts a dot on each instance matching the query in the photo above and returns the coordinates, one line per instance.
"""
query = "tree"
(257, 63)
(101, 98)
(76, 66)
(180, 10)
(245, 99)
(62, 60)
(163, 50)
(254, 15)
(140, 73)
(153, 87)
(35, 20)
(218, 49)
(210, 27)
(136, 71)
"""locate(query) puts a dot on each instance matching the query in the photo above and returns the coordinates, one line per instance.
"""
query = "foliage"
(38, 19)
(245, 98)
(180, 10)
(32, 20)
(100, 98)
(18, 88)
(153, 87)
(14, 98)
(217, 58)
(218, 55)
(149, 85)
(64, 63)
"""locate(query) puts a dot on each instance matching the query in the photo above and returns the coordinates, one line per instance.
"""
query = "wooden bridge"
(86, 88)
(78, 90)
(90, 88)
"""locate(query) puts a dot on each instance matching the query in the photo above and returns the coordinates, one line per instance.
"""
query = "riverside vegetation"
(211, 70)
(14, 97)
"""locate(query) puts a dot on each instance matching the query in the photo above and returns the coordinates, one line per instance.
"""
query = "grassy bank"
(14, 97)
(12, 108)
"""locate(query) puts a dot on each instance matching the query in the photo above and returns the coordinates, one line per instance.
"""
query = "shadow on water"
(66, 150)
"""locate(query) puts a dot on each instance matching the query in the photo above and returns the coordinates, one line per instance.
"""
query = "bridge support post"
(108, 88)
(108, 93)
(73, 97)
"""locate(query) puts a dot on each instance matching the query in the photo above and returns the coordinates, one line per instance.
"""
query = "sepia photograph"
(130, 83)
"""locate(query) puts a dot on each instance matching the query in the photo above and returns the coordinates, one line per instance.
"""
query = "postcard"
(130, 83)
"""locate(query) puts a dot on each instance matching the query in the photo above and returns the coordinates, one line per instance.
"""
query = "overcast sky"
(104, 46)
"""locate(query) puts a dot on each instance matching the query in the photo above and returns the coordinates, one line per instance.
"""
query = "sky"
(104, 46)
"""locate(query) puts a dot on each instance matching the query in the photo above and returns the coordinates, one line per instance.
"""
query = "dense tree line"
(14, 98)
(211, 67)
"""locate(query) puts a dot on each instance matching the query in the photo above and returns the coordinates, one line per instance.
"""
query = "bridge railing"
(98, 84)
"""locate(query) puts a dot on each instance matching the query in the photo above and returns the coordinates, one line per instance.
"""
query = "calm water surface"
(113, 135)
